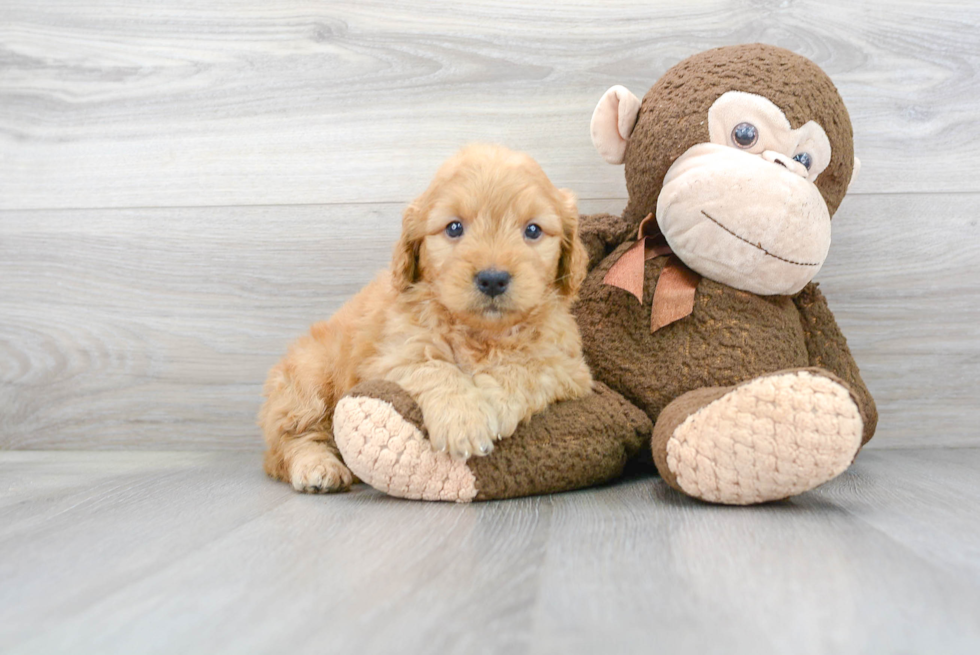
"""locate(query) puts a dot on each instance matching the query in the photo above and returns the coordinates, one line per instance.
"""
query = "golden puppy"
(472, 321)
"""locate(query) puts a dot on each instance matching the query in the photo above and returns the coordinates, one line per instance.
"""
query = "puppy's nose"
(492, 282)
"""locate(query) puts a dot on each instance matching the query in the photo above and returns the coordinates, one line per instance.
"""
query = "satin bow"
(673, 296)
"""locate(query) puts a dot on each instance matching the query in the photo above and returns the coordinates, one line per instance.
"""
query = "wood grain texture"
(120, 104)
(902, 280)
(199, 552)
(154, 328)
(803, 576)
(166, 319)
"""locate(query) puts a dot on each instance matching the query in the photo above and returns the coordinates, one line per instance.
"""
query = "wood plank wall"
(185, 186)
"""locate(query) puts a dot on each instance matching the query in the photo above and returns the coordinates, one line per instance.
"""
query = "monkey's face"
(744, 153)
(743, 209)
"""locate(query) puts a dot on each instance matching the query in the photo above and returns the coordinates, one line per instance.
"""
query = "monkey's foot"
(379, 431)
(766, 439)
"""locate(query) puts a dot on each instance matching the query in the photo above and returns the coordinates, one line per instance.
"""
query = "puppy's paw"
(507, 421)
(463, 428)
(319, 471)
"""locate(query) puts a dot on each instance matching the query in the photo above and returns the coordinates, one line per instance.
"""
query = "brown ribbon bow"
(673, 296)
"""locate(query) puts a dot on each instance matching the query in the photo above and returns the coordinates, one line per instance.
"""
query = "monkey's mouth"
(757, 246)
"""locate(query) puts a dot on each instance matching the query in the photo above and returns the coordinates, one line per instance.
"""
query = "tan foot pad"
(391, 454)
(768, 439)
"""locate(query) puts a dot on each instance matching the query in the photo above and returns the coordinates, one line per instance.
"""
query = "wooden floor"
(199, 553)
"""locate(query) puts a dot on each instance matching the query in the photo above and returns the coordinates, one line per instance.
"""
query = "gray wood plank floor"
(200, 553)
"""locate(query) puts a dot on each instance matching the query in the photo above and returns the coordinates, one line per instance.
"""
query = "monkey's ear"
(405, 269)
(613, 121)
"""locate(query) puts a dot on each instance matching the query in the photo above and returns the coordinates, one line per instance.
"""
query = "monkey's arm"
(602, 233)
(828, 349)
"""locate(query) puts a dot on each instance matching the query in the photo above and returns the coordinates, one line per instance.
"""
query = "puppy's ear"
(573, 261)
(405, 269)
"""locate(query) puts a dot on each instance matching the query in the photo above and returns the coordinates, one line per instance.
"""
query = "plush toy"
(698, 316)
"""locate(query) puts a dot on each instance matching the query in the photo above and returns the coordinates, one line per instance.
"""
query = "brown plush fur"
(476, 366)
(731, 336)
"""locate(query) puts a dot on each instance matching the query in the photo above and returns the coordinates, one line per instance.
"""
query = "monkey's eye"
(805, 159)
(533, 231)
(745, 135)
(454, 230)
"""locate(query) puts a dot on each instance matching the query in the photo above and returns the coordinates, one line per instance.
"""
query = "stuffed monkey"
(698, 314)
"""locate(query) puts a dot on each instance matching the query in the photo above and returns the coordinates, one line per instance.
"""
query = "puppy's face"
(492, 238)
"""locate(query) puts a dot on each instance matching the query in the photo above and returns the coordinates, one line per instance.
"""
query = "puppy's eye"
(454, 230)
(745, 135)
(533, 231)
(804, 158)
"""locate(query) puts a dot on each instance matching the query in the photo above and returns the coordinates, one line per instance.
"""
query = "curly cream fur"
(476, 366)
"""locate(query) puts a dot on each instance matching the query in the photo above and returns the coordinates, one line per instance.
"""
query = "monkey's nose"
(492, 282)
(782, 160)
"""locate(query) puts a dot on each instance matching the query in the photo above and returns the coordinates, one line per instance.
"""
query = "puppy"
(472, 320)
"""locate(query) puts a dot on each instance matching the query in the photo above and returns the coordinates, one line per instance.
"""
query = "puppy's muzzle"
(492, 282)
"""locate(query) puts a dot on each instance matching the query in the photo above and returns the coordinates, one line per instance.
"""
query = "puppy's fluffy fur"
(477, 365)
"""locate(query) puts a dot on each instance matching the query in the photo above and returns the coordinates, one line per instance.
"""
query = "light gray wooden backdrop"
(185, 186)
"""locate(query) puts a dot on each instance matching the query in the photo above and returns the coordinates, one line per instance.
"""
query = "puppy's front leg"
(457, 416)
(519, 392)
